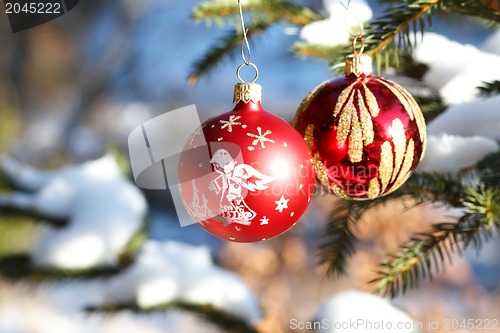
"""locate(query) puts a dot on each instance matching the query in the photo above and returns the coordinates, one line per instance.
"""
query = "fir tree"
(389, 39)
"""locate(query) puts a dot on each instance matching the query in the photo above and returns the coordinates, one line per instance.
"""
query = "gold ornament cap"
(246, 92)
(358, 64)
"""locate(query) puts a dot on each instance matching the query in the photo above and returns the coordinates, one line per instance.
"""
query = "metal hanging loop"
(354, 42)
(251, 65)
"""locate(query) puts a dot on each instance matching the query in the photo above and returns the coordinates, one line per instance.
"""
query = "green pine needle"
(387, 38)
(339, 240)
(226, 47)
(489, 88)
(274, 10)
(428, 252)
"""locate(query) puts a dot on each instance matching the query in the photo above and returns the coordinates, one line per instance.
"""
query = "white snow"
(452, 153)
(103, 208)
(366, 311)
(462, 136)
(455, 69)
(170, 271)
(36, 310)
(479, 117)
(336, 28)
(163, 272)
(104, 211)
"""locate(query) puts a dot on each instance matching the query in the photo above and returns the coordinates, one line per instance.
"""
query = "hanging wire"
(244, 44)
(347, 12)
(355, 37)
(246, 54)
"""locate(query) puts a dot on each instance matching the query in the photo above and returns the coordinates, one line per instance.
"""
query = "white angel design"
(230, 184)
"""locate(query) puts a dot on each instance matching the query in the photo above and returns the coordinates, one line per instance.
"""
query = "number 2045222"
(33, 8)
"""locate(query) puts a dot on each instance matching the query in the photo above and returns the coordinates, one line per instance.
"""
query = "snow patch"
(335, 30)
(479, 117)
(163, 272)
(452, 153)
(456, 70)
(35, 310)
(353, 306)
(169, 271)
(102, 207)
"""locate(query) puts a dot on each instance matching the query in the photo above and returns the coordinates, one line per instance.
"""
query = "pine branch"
(388, 38)
(17, 266)
(339, 240)
(489, 170)
(20, 266)
(221, 319)
(489, 88)
(431, 108)
(264, 13)
(397, 22)
(427, 187)
(381, 35)
(410, 15)
(274, 10)
(32, 215)
(483, 9)
(426, 252)
(225, 47)
(339, 237)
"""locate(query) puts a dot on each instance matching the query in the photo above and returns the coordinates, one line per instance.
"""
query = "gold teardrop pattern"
(371, 101)
(355, 124)
(385, 169)
(396, 160)
(343, 97)
(406, 169)
(355, 150)
(345, 122)
(397, 131)
(366, 121)
(321, 170)
(373, 189)
(309, 136)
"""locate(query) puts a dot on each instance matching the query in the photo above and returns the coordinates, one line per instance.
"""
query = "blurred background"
(73, 89)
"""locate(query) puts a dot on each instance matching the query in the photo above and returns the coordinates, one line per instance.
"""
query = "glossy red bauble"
(246, 175)
(366, 134)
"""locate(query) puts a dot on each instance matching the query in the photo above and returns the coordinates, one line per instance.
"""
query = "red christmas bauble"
(246, 175)
(366, 133)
